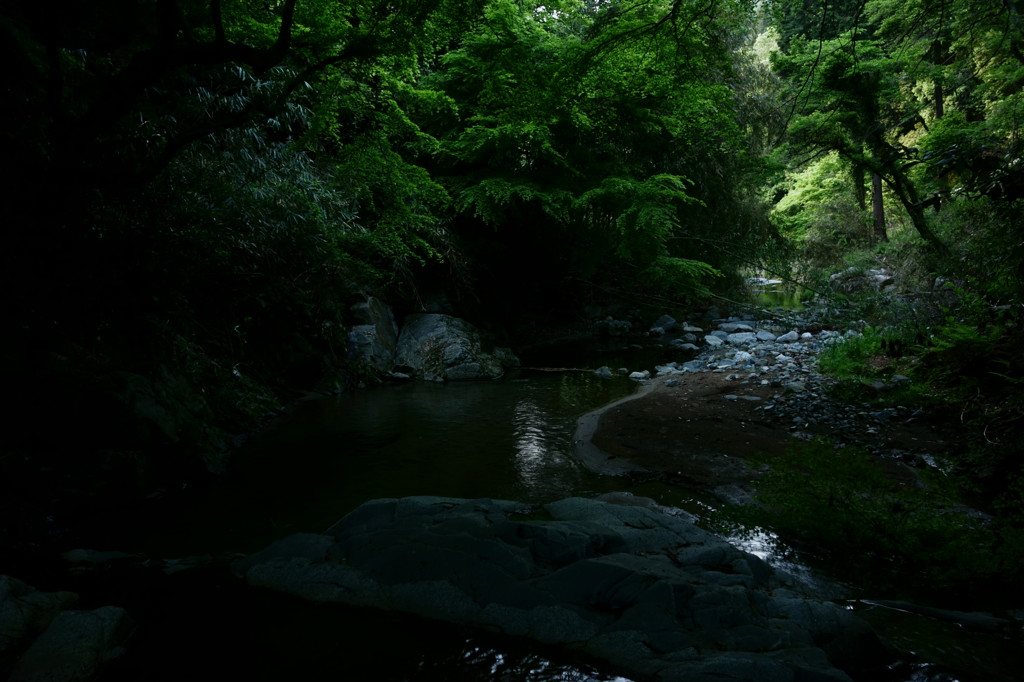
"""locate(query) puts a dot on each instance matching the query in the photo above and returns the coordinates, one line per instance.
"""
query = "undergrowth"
(958, 532)
(886, 534)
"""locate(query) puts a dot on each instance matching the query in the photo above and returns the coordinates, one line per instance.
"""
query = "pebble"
(759, 353)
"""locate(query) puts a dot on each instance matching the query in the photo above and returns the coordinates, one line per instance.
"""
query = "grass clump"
(868, 366)
(885, 531)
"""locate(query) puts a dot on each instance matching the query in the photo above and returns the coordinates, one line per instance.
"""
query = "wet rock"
(372, 342)
(25, 611)
(438, 347)
(75, 646)
(42, 641)
(648, 592)
(665, 324)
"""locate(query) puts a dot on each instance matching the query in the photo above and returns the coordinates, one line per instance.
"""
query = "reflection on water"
(777, 294)
(483, 662)
(531, 447)
(508, 439)
(767, 546)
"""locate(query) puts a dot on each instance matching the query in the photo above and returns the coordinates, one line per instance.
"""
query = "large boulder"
(75, 646)
(42, 641)
(648, 592)
(25, 612)
(853, 280)
(373, 339)
(439, 347)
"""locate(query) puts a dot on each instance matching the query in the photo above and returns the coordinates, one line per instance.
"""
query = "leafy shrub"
(847, 357)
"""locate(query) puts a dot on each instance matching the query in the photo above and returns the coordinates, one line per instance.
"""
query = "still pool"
(510, 439)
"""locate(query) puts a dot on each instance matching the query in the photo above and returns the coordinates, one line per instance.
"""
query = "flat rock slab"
(650, 593)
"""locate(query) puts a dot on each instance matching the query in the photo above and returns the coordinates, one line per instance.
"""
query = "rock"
(669, 369)
(604, 372)
(788, 337)
(713, 341)
(25, 612)
(52, 644)
(96, 557)
(438, 347)
(650, 593)
(640, 376)
(373, 341)
(733, 327)
(75, 646)
(665, 323)
(612, 327)
(740, 338)
(854, 279)
(762, 282)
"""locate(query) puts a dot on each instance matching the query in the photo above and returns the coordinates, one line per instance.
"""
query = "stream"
(508, 439)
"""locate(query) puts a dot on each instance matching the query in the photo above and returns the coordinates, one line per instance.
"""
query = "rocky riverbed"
(753, 389)
(621, 578)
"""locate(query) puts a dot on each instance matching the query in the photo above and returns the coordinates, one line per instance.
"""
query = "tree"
(197, 191)
(851, 105)
(592, 140)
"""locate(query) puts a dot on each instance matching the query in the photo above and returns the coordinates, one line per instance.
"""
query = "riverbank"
(701, 424)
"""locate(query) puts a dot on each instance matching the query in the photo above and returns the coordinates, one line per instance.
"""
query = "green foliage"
(847, 358)
(886, 532)
(861, 362)
(818, 215)
(594, 140)
(678, 279)
(231, 176)
(646, 211)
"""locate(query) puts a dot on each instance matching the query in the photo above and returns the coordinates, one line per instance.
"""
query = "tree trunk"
(860, 190)
(907, 194)
(879, 233)
(939, 57)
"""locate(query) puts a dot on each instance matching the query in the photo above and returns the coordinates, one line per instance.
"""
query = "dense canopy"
(197, 191)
